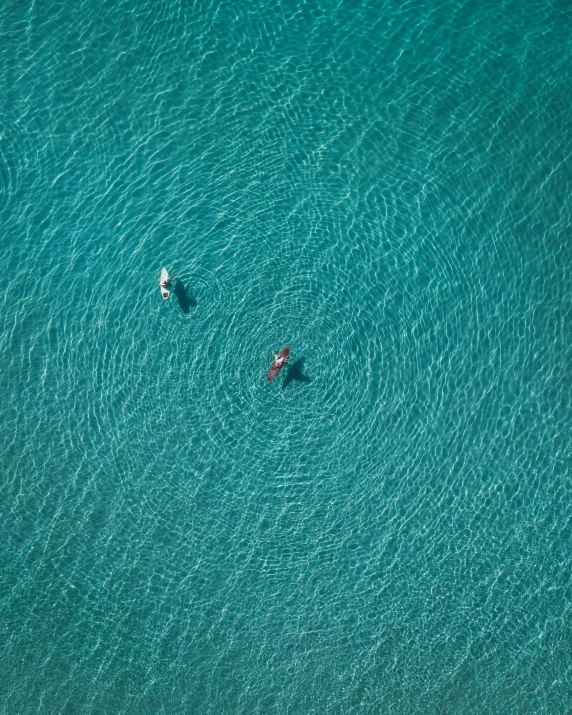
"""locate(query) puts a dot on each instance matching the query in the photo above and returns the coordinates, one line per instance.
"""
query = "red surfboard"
(277, 365)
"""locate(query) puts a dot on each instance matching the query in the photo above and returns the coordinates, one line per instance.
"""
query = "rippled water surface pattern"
(385, 188)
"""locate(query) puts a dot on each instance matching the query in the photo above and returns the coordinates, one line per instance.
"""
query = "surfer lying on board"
(279, 361)
(167, 281)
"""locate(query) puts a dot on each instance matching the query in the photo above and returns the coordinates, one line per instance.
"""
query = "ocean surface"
(385, 187)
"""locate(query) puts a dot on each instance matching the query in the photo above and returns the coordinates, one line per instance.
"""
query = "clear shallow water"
(385, 527)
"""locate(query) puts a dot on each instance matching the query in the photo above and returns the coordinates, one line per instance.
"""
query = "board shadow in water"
(295, 372)
(186, 300)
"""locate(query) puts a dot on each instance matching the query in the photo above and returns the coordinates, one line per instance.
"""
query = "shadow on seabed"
(295, 372)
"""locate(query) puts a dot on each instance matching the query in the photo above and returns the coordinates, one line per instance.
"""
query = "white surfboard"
(165, 292)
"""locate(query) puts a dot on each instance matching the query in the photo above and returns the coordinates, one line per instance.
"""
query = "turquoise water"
(385, 187)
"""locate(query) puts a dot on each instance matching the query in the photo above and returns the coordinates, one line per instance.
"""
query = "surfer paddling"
(165, 283)
(280, 360)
